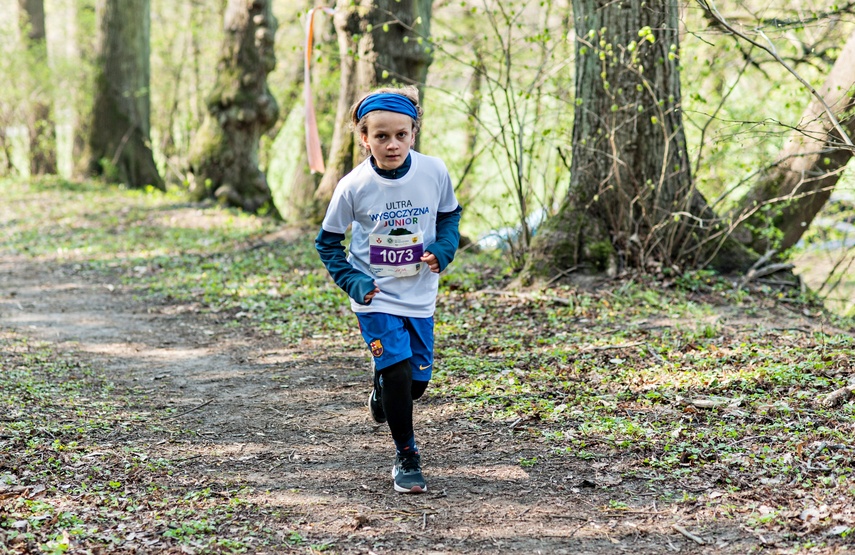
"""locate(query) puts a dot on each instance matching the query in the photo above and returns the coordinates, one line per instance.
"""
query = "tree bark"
(631, 202)
(630, 169)
(80, 25)
(348, 23)
(392, 49)
(474, 98)
(224, 153)
(40, 122)
(119, 136)
(784, 201)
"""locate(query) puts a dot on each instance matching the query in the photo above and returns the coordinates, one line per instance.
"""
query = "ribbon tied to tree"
(313, 141)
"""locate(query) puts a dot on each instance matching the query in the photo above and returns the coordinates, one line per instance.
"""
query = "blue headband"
(390, 102)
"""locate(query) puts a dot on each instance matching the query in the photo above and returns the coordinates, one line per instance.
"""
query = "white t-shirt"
(394, 222)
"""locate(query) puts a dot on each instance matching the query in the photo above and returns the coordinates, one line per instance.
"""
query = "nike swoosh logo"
(424, 367)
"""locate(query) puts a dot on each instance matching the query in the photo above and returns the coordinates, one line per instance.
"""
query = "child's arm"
(447, 239)
(360, 287)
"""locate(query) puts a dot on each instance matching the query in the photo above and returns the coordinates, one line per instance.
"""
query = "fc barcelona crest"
(376, 348)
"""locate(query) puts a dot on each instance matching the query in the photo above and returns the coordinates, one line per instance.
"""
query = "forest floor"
(134, 421)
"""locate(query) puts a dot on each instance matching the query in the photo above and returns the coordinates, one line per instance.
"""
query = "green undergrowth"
(685, 376)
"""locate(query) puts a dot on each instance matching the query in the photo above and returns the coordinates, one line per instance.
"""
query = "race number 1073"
(392, 256)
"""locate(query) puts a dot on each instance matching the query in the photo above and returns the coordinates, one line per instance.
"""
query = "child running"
(405, 219)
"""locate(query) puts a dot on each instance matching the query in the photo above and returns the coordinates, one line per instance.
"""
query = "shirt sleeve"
(447, 237)
(447, 199)
(352, 281)
(339, 216)
(447, 223)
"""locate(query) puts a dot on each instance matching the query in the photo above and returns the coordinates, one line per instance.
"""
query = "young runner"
(404, 219)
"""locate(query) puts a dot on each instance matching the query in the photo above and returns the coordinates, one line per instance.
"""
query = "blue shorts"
(392, 339)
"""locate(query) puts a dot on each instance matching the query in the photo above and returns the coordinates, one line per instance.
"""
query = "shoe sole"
(371, 412)
(414, 489)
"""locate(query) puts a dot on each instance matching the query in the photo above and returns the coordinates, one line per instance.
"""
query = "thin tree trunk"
(348, 23)
(119, 136)
(86, 51)
(224, 153)
(40, 123)
(789, 196)
(463, 189)
(169, 147)
(303, 183)
(7, 153)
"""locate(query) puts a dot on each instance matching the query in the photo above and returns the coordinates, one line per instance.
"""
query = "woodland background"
(179, 374)
(498, 97)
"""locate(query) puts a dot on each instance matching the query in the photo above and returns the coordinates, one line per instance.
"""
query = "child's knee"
(418, 388)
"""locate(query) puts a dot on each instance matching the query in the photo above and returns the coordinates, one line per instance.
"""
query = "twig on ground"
(560, 275)
(610, 347)
(528, 296)
(697, 539)
(758, 270)
(197, 407)
(838, 395)
(710, 403)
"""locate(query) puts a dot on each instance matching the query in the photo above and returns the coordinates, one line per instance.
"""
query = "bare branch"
(713, 12)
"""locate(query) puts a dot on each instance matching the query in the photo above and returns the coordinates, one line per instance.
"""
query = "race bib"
(395, 255)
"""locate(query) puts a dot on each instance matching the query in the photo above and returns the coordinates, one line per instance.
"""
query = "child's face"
(389, 138)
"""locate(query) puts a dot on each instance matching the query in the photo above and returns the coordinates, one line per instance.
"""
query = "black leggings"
(397, 394)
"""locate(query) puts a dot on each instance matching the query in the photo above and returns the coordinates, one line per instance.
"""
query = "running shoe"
(407, 474)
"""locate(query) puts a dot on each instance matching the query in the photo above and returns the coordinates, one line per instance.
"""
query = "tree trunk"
(119, 136)
(474, 97)
(348, 23)
(85, 53)
(387, 52)
(7, 167)
(40, 122)
(224, 153)
(785, 200)
(631, 203)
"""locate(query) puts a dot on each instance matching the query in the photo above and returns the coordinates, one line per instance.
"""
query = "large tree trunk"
(224, 153)
(785, 200)
(119, 137)
(389, 52)
(630, 170)
(392, 49)
(40, 118)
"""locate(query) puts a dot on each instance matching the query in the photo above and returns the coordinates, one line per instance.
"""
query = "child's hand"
(429, 259)
(370, 296)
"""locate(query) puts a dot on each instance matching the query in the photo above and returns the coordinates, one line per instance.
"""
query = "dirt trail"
(295, 429)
